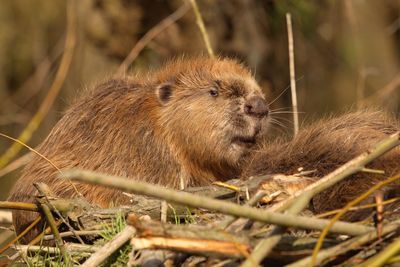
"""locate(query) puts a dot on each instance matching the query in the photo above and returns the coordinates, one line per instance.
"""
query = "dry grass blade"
(33, 150)
(43, 157)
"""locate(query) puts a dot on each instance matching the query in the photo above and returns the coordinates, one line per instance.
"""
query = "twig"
(43, 188)
(342, 172)
(346, 246)
(151, 228)
(292, 73)
(150, 35)
(188, 238)
(203, 247)
(21, 143)
(42, 234)
(225, 207)
(200, 23)
(164, 211)
(18, 206)
(378, 220)
(75, 233)
(347, 207)
(366, 206)
(57, 237)
(27, 229)
(373, 171)
(265, 246)
(252, 202)
(74, 249)
(55, 88)
(42, 156)
(105, 251)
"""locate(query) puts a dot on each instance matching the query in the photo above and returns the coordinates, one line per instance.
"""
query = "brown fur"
(326, 145)
(162, 128)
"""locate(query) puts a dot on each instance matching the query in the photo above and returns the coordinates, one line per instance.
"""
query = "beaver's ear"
(164, 92)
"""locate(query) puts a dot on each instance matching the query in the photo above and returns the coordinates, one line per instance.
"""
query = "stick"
(366, 206)
(203, 247)
(346, 246)
(252, 202)
(43, 190)
(76, 233)
(18, 206)
(265, 246)
(36, 221)
(292, 73)
(57, 237)
(150, 228)
(347, 207)
(106, 250)
(75, 249)
(191, 200)
(200, 23)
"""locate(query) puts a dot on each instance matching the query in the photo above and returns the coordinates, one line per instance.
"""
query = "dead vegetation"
(210, 225)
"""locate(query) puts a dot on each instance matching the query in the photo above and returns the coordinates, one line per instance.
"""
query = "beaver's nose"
(256, 107)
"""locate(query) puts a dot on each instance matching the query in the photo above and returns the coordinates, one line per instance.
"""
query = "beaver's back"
(93, 134)
(328, 144)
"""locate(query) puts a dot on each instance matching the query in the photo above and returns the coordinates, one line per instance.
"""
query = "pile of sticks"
(241, 222)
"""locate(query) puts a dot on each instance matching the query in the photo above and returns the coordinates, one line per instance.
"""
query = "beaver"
(327, 144)
(192, 122)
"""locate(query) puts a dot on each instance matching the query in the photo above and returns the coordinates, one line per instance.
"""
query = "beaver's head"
(212, 111)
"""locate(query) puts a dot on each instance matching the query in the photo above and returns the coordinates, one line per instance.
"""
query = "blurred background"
(347, 53)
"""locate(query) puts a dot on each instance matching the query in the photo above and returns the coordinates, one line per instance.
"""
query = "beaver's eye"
(213, 92)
